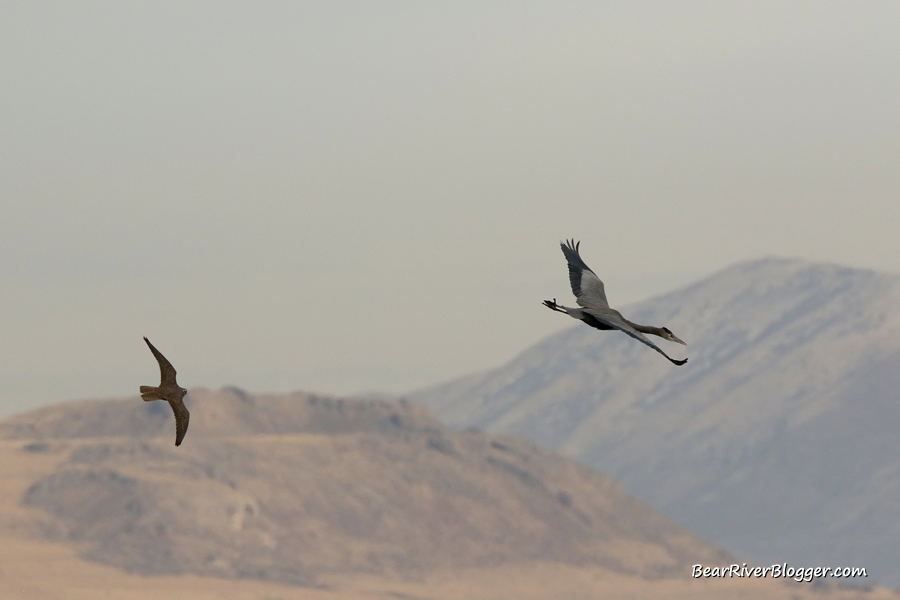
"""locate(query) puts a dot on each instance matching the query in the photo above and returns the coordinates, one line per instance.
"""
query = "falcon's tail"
(149, 393)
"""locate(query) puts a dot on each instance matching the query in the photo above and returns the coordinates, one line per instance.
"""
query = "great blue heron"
(169, 391)
(595, 311)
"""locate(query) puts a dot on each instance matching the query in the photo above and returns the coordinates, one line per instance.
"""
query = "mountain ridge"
(293, 488)
(785, 356)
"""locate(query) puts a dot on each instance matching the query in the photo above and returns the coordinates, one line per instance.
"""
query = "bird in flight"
(591, 296)
(170, 391)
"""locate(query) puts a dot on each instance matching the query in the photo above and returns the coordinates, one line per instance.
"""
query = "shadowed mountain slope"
(778, 440)
(292, 488)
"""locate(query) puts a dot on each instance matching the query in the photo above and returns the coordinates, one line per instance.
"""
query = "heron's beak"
(675, 339)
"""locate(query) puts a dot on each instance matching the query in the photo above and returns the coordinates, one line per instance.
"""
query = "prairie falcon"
(169, 391)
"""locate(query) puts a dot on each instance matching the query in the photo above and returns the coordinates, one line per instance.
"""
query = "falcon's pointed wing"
(614, 320)
(587, 287)
(182, 418)
(166, 370)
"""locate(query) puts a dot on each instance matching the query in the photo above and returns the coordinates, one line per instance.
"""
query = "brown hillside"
(225, 412)
(287, 488)
(302, 489)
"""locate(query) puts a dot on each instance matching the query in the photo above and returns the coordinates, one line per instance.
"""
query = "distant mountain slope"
(780, 438)
(291, 488)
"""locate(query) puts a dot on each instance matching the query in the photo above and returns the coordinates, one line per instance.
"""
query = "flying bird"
(591, 296)
(170, 391)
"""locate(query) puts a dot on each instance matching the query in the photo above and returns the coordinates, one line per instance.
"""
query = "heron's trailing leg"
(552, 305)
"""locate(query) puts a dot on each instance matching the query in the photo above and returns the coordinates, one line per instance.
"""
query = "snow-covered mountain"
(779, 439)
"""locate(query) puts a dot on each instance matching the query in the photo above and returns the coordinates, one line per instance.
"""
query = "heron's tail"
(149, 393)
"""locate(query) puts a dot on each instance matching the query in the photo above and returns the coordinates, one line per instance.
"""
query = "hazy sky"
(352, 196)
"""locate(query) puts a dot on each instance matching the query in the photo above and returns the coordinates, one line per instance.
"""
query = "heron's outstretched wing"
(586, 286)
(182, 418)
(616, 321)
(166, 370)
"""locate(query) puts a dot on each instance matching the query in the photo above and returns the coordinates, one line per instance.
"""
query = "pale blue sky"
(352, 196)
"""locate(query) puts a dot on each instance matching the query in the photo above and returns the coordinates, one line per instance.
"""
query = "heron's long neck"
(647, 329)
